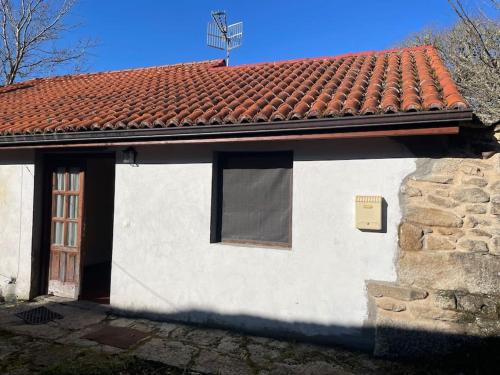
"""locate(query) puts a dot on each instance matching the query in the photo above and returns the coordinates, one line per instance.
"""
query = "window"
(252, 198)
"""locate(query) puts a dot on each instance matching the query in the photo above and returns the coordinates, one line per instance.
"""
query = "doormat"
(119, 337)
(38, 315)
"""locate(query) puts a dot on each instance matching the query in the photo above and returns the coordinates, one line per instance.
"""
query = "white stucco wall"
(163, 262)
(16, 219)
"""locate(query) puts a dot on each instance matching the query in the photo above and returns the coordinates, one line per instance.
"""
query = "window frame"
(216, 203)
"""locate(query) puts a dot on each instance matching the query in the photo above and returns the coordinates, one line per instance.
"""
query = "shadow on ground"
(172, 346)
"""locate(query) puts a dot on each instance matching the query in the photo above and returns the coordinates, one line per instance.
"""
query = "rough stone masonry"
(447, 292)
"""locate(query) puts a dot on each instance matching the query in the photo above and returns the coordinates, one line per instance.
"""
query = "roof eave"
(331, 125)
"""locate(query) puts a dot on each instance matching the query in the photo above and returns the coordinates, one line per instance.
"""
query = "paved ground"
(58, 348)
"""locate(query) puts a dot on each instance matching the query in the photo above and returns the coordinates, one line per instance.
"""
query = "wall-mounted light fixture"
(129, 156)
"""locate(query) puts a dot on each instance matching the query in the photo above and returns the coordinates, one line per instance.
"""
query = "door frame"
(46, 162)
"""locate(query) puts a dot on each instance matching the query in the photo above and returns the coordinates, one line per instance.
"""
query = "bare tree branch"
(29, 36)
(471, 50)
(472, 29)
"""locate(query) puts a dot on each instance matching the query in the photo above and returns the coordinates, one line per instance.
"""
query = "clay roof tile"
(196, 94)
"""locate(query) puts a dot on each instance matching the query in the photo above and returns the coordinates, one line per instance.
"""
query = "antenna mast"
(222, 36)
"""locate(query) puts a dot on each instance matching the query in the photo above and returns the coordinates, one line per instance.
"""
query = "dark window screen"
(255, 197)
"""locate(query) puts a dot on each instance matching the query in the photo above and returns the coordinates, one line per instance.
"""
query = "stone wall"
(447, 292)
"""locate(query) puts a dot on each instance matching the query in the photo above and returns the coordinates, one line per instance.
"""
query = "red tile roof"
(208, 93)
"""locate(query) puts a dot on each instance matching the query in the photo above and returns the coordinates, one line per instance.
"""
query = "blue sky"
(154, 32)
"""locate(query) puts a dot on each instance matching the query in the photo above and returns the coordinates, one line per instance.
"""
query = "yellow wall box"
(369, 212)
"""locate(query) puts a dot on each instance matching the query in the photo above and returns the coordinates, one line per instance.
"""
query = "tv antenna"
(222, 36)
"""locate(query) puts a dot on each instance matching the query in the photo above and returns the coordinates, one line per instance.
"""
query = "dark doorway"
(87, 273)
(98, 229)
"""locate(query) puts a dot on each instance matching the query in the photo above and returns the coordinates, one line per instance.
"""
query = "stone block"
(477, 181)
(475, 272)
(453, 236)
(469, 302)
(495, 205)
(488, 327)
(410, 237)
(471, 195)
(433, 242)
(475, 209)
(442, 202)
(448, 166)
(417, 338)
(209, 362)
(432, 217)
(230, 344)
(412, 191)
(495, 245)
(174, 353)
(495, 188)
(495, 231)
(476, 246)
(478, 233)
(438, 179)
(428, 312)
(490, 309)
(495, 221)
(471, 169)
(390, 305)
(470, 222)
(399, 292)
(206, 337)
(452, 232)
(442, 193)
(445, 299)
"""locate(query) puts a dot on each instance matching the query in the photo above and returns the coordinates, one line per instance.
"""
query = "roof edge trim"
(439, 118)
(426, 131)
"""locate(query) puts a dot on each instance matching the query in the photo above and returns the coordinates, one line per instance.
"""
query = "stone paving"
(187, 348)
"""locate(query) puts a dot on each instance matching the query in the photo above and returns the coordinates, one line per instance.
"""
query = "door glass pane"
(73, 207)
(57, 233)
(59, 205)
(74, 180)
(60, 180)
(72, 234)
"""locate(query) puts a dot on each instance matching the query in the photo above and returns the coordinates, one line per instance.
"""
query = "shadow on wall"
(325, 150)
(344, 149)
(386, 341)
(358, 337)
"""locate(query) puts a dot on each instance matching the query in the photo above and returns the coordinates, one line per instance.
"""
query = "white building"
(220, 195)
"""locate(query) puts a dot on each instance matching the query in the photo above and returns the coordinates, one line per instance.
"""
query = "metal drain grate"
(38, 315)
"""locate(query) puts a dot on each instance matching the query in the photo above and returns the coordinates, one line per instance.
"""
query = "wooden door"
(66, 231)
